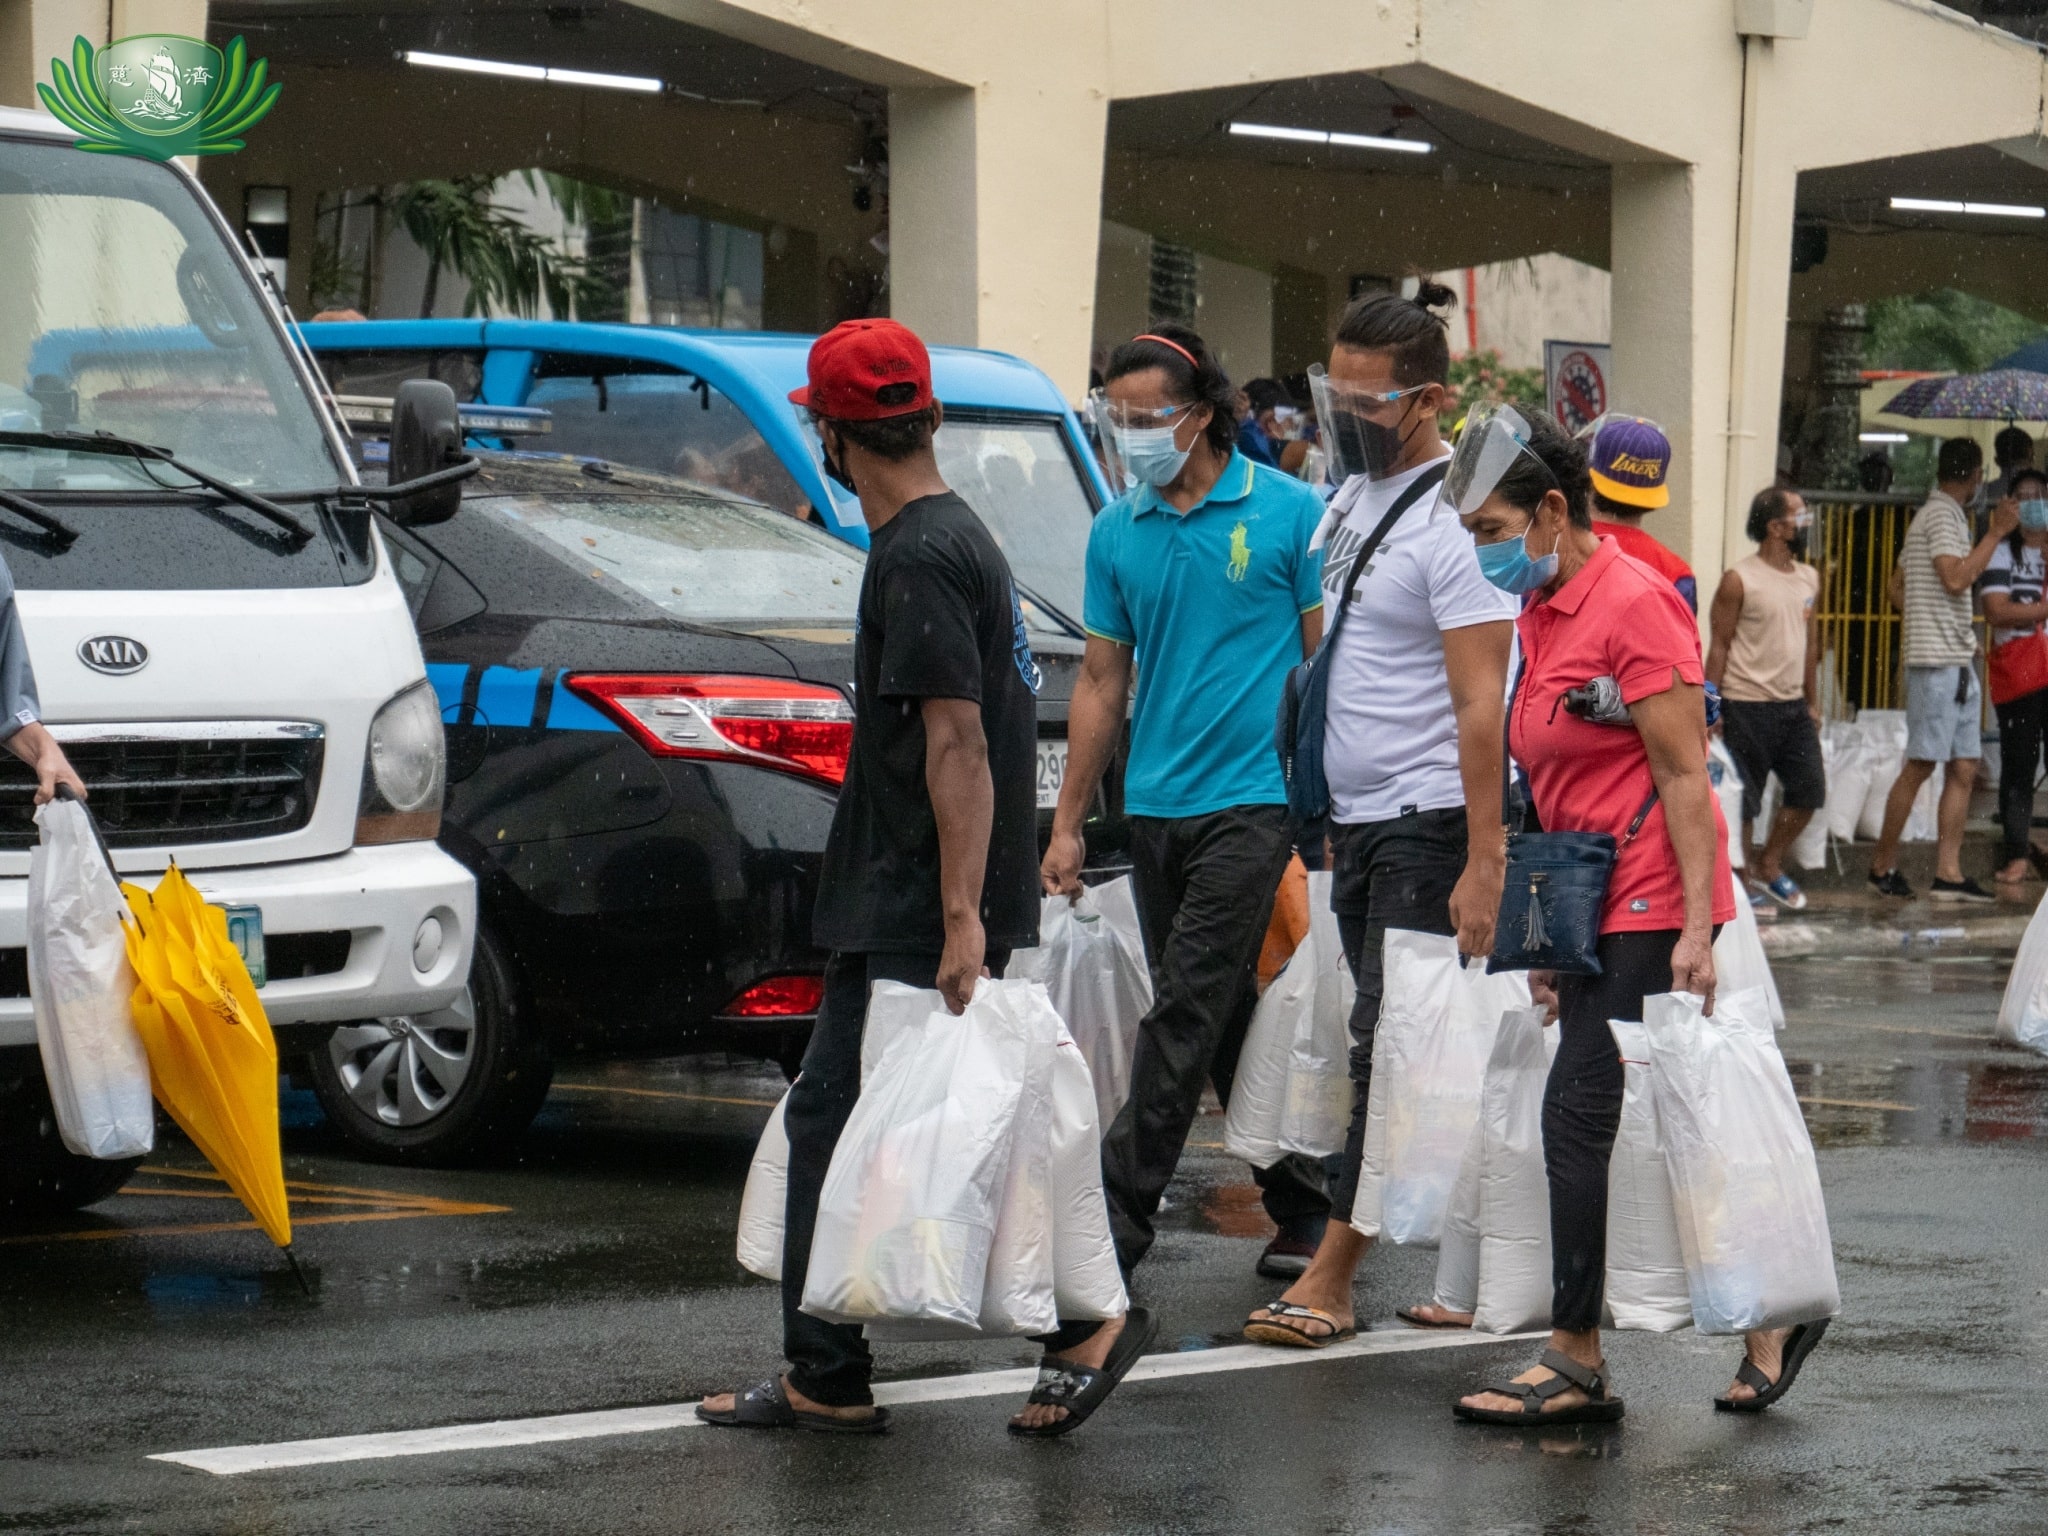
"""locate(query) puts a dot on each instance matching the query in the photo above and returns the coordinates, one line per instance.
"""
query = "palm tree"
(506, 265)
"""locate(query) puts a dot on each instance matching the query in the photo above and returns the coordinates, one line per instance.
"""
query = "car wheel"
(39, 1176)
(460, 1084)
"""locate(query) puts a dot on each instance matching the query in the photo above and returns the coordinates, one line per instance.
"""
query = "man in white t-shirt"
(1412, 744)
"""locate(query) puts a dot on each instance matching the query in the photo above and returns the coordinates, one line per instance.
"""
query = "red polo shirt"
(1616, 618)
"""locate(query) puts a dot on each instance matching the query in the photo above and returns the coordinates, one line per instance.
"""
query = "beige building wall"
(1513, 307)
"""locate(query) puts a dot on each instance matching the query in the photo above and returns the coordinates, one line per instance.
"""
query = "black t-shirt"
(938, 620)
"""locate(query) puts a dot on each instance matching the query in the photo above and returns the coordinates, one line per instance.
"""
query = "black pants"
(1582, 1112)
(1205, 887)
(2020, 725)
(1388, 874)
(829, 1362)
(1776, 737)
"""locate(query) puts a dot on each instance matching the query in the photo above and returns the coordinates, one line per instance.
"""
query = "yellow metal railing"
(1855, 543)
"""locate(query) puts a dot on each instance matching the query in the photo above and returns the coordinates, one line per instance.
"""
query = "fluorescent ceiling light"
(1942, 205)
(1317, 136)
(471, 66)
(1880, 437)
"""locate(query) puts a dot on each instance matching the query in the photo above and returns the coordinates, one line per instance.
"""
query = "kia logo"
(116, 655)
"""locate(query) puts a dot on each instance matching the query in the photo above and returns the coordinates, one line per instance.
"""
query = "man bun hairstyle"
(1193, 376)
(1564, 456)
(1765, 508)
(1958, 459)
(1411, 329)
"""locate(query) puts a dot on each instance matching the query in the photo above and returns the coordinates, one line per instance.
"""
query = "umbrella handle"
(92, 821)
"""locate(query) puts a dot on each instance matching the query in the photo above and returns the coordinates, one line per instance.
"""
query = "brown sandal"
(1274, 1329)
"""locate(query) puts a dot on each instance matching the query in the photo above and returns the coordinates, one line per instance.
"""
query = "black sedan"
(644, 686)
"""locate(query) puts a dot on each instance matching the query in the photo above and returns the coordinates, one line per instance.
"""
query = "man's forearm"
(964, 805)
(1095, 719)
(1482, 770)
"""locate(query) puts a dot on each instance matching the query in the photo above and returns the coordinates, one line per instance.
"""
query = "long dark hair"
(1201, 382)
(1411, 329)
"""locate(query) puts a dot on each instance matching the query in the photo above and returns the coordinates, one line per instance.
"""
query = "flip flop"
(1081, 1389)
(1601, 1407)
(1414, 1319)
(1271, 1329)
(765, 1405)
(1797, 1347)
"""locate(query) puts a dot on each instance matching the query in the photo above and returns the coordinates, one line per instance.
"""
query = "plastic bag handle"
(92, 821)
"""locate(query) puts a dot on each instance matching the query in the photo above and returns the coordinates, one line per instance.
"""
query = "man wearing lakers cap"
(1630, 458)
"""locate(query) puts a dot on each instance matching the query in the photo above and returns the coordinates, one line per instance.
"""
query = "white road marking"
(231, 1460)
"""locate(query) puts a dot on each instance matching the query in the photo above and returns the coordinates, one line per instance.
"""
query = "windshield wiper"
(1047, 609)
(62, 534)
(294, 532)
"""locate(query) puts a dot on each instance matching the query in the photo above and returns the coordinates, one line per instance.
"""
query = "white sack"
(1646, 1279)
(2023, 1013)
(1810, 848)
(1514, 1193)
(1091, 957)
(1743, 1177)
(1437, 1022)
(1728, 789)
(1457, 1251)
(1740, 961)
(1292, 1089)
(1884, 750)
(908, 1210)
(79, 986)
(767, 1192)
(1848, 780)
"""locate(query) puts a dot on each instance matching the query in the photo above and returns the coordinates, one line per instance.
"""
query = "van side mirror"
(426, 436)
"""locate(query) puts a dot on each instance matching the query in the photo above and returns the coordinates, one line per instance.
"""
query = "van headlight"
(404, 770)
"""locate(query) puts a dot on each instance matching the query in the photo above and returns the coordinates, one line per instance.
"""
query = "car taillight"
(779, 997)
(800, 728)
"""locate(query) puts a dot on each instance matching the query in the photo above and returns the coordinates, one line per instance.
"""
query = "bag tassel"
(1534, 935)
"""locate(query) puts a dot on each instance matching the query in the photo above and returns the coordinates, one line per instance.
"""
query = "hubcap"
(407, 1069)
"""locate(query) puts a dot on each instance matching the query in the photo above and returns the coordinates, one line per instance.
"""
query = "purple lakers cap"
(1631, 458)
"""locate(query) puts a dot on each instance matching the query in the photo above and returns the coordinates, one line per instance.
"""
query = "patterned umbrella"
(2003, 394)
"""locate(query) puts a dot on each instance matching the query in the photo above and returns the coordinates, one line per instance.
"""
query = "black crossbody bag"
(1305, 700)
(1556, 886)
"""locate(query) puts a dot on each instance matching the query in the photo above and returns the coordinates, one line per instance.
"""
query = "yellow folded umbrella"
(212, 1057)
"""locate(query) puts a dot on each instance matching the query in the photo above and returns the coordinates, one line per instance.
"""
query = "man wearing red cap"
(930, 871)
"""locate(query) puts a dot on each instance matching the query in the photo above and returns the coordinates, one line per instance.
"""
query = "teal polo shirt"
(1211, 601)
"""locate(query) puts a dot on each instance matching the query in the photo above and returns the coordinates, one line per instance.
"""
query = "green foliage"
(1944, 331)
(1482, 376)
(507, 266)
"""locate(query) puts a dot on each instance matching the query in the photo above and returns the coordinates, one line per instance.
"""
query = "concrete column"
(995, 208)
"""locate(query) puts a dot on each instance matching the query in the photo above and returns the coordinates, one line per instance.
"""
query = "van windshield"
(124, 311)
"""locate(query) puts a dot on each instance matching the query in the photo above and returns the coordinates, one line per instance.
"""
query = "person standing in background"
(1765, 659)
(2012, 450)
(1201, 577)
(2012, 591)
(1943, 701)
(1630, 461)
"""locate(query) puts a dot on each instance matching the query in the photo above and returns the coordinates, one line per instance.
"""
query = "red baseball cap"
(867, 370)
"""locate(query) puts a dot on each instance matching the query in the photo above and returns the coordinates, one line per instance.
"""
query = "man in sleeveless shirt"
(1765, 660)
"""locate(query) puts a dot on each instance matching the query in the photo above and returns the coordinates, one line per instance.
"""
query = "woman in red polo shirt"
(1593, 611)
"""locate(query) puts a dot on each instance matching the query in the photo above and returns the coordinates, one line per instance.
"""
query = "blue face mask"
(1508, 565)
(2034, 514)
(1149, 454)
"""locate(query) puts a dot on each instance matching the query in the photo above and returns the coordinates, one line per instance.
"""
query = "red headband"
(1183, 351)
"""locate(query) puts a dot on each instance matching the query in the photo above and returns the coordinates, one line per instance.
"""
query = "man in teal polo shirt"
(1202, 572)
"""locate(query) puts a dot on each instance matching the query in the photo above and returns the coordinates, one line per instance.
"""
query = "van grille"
(185, 781)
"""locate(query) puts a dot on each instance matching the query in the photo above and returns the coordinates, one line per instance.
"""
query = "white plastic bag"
(1292, 1090)
(1810, 848)
(761, 1206)
(1728, 789)
(1740, 961)
(2023, 1012)
(1514, 1291)
(1457, 1251)
(908, 1209)
(1743, 1177)
(1884, 748)
(1091, 957)
(1848, 780)
(1646, 1279)
(79, 986)
(1437, 1022)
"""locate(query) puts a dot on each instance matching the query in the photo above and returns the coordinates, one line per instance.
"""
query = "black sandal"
(1080, 1389)
(1798, 1345)
(765, 1405)
(1276, 1328)
(1601, 1406)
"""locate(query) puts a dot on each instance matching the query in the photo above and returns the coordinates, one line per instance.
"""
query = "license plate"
(245, 932)
(1052, 773)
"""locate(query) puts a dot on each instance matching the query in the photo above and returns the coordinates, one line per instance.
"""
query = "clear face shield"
(1364, 431)
(1494, 435)
(1136, 443)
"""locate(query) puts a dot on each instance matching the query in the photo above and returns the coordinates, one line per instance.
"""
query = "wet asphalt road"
(597, 1272)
